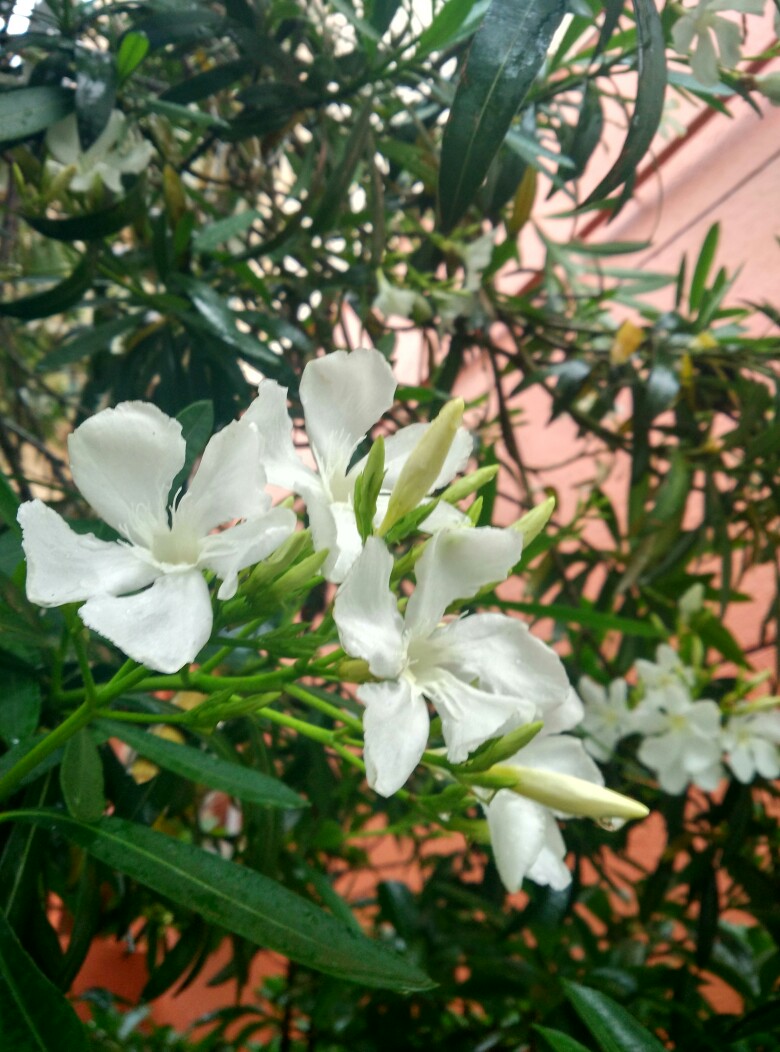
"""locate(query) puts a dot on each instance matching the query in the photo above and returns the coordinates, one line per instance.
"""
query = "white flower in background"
(752, 744)
(343, 396)
(392, 301)
(665, 674)
(701, 28)
(560, 781)
(485, 674)
(124, 461)
(691, 602)
(682, 740)
(117, 151)
(607, 716)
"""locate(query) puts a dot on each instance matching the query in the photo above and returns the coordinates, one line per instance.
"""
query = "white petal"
(244, 545)
(283, 466)
(517, 832)
(123, 461)
(67, 567)
(333, 527)
(343, 396)
(560, 753)
(549, 868)
(62, 140)
(396, 728)
(563, 717)
(500, 654)
(366, 613)
(164, 627)
(469, 716)
(455, 565)
(399, 446)
(109, 138)
(228, 483)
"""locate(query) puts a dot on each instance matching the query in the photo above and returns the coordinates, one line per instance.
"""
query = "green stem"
(74, 723)
(144, 717)
(315, 702)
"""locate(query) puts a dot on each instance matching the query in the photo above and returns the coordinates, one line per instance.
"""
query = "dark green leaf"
(765, 1019)
(93, 226)
(132, 52)
(20, 705)
(611, 1025)
(54, 300)
(188, 26)
(663, 386)
(9, 505)
(240, 900)
(83, 343)
(560, 1042)
(703, 265)
(96, 83)
(81, 777)
(454, 21)
(332, 200)
(35, 1016)
(27, 111)
(204, 768)
(585, 616)
(651, 91)
(210, 237)
(197, 423)
(505, 55)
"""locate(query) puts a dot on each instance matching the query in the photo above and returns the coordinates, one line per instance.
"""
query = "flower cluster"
(685, 739)
(490, 682)
(117, 151)
(710, 39)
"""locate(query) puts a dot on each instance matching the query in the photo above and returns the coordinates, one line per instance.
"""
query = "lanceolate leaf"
(27, 111)
(240, 900)
(505, 56)
(650, 92)
(611, 1025)
(205, 769)
(94, 225)
(34, 1015)
(54, 300)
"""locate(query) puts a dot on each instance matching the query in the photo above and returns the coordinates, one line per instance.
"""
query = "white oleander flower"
(146, 593)
(666, 673)
(555, 779)
(343, 396)
(682, 740)
(607, 716)
(752, 744)
(117, 151)
(485, 674)
(701, 28)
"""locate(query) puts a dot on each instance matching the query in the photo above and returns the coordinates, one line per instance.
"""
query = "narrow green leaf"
(215, 234)
(26, 111)
(455, 20)
(197, 423)
(332, 200)
(204, 768)
(83, 343)
(81, 777)
(651, 91)
(661, 390)
(54, 300)
(240, 900)
(584, 616)
(560, 1042)
(703, 265)
(93, 226)
(202, 85)
(20, 705)
(132, 51)
(96, 84)
(505, 55)
(611, 1025)
(9, 505)
(367, 487)
(35, 1016)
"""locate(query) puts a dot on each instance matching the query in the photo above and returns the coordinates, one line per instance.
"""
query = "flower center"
(177, 545)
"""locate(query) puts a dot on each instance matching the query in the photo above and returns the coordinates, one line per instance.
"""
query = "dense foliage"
(202, 194)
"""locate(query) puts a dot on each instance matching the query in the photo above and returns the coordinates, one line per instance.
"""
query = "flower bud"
(419, 473)
(627, 340)
(573, 796)
(534, 521)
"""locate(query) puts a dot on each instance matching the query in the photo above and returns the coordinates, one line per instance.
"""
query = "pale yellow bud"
(627, 340)
(425, 462)
(573, 796)
(534, 521)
